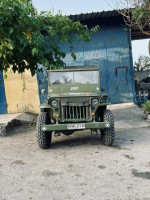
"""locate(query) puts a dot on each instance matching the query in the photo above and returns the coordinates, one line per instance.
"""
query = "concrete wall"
(31, 101)
(21, 93)
(141, 75)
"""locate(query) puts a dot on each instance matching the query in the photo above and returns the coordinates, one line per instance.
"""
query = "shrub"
(146, 106)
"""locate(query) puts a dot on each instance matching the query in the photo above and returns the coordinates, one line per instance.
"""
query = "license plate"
(75, 126)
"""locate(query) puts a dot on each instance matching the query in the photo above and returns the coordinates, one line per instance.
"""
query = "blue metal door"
(120, 86)
(3, 107)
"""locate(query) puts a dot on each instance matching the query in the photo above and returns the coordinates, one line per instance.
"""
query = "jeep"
(74, 102)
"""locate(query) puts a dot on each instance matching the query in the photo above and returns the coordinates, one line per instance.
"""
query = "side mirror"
(103, 89)
(105, 97)
(43, 91)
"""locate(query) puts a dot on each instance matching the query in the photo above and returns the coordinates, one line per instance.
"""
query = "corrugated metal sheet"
(42, 83)
(3, 107)
(94, 15)
(107, 17)
(110, 50)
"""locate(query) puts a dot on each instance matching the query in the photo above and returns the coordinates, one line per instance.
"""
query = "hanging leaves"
(28, 38)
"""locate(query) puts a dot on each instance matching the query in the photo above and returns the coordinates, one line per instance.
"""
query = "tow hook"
(94, 132)
(57, 134)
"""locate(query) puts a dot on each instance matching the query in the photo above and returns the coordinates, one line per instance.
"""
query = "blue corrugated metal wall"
(3, 107)
(110, 50)
(42, 83)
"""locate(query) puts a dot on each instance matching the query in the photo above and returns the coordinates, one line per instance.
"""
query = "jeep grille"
(76, 113)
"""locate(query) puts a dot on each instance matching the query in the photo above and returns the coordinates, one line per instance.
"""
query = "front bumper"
(63, 127)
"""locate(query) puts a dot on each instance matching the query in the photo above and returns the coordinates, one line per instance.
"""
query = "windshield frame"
(73, 82)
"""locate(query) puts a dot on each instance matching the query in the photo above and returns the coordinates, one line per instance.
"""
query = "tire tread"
(108, 134)
(43, 137)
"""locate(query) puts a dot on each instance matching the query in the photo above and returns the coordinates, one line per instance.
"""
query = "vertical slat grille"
(76, 112)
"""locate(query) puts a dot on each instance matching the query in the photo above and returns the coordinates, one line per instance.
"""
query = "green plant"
(146, 106)
(136, 13)
(28, 38)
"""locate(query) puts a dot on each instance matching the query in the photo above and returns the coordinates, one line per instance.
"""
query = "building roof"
(94, 15)
(106, 17)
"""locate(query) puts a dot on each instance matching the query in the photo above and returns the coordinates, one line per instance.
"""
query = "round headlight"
(54, 103)
(94, 102)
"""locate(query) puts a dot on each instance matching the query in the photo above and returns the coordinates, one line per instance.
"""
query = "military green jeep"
(75, 102)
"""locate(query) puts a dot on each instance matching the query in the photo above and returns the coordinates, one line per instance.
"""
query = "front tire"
(108, 134)
(43, 137)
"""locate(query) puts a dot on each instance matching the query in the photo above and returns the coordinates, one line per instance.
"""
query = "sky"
(139, 47)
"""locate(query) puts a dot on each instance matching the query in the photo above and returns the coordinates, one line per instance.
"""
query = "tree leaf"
(28, 38)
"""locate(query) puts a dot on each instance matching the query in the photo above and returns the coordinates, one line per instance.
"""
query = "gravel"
(78, 166)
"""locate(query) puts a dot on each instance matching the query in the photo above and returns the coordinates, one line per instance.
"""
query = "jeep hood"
(74, 90)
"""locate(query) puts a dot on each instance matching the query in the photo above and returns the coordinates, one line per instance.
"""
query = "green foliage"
(141, 13)
(136, 13)
(146, 107)
(22, 44)
(142, 64)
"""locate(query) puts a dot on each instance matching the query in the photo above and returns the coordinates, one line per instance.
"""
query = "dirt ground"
(76, 167)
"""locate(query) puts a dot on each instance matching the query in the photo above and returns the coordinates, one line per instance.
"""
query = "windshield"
(86, 77)
(80, 77)
(61, 78)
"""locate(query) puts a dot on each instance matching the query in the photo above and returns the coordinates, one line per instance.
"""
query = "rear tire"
(108, 134)
(43, 137)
